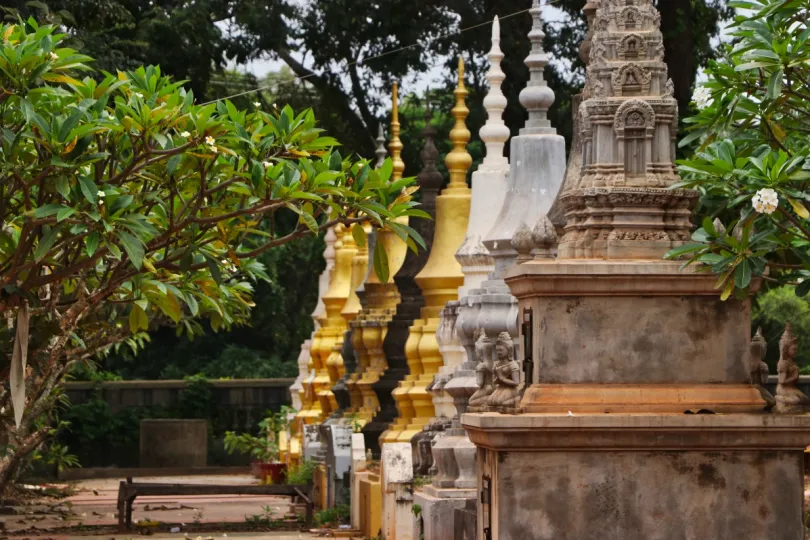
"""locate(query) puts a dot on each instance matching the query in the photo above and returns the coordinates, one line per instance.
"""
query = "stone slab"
(173, 443)
(638, 431)
(439, 493)
(597, 277)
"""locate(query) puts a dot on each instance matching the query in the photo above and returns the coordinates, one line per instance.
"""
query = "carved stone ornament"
(632, 47)
(759, 369)
(634, 114)
(483, 371)
(789, 399)
(631, 79)
(505, 374)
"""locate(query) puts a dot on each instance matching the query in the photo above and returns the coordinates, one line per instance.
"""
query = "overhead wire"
(387, 53)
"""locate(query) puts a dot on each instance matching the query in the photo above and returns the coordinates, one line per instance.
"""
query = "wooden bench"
(129, 490)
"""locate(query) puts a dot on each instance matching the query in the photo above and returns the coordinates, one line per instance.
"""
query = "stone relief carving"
(483, 371)
(629, 18)
(505, 374)
(632, 47)
(598, 54)
(634, 114)
(789, 399)
(759, 369)
(631, 79)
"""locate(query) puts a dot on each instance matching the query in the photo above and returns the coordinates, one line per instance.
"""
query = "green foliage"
(333, 516)
(752, 165)
(264, 446)
(125, 205)
(302, 473)
(773, 310)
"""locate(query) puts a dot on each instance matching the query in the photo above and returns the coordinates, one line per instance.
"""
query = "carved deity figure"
(789, 399)
(483, 371)
(759, 369)
(505, 374)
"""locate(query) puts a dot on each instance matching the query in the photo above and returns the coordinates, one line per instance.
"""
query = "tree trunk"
(679, 42)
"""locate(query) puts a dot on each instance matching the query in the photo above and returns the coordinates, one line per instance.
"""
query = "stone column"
(453, 453)
(641, 421)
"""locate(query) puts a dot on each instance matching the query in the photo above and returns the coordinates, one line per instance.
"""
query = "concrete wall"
(239, 404)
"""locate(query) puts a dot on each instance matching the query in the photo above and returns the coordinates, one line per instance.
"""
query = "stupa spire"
(494, 133)
(395, 146)
(537, 97)
(380, 152)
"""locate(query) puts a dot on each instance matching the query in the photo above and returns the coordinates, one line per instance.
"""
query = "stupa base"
(639, 476)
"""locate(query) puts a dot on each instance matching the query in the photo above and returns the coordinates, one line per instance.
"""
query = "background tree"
(125, 205)
(752, 163)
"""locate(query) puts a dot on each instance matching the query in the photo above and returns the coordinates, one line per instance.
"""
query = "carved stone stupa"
(630, 354)
(621, 207)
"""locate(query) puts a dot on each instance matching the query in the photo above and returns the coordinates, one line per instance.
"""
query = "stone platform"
(641, 476)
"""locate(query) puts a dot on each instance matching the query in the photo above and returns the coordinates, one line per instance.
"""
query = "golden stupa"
(379, 300)
(318, 398)
(439, 281)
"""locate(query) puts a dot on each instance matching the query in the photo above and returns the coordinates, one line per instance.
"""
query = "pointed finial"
(395, 145)
(381, 152)
(537, 97)
(759, 333)
(430, 179)
(495, 133)
(458, 161)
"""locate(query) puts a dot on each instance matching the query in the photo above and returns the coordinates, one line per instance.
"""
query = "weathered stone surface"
(680, 495)
(436, 519)
(464, 522)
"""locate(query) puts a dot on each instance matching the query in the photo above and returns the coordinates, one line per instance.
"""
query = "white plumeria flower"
(257, 104)
(101, 194)
(214, 149)
(267, 164)
(702, 97)
(54, 56)
(138, 94)
(275, 106)
(766, 201)
(185, 134)
(209, 140)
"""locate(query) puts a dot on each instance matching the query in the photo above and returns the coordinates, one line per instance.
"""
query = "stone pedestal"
(640, 477)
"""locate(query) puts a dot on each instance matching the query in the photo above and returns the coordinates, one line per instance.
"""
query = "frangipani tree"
(125, 205)
(753, 164)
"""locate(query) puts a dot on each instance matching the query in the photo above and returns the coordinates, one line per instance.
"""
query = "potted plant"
(263, 448)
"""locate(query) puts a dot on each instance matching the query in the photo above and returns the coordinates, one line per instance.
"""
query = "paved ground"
(95, 504)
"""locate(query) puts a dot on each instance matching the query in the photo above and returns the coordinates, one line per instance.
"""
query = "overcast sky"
(417, 82)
